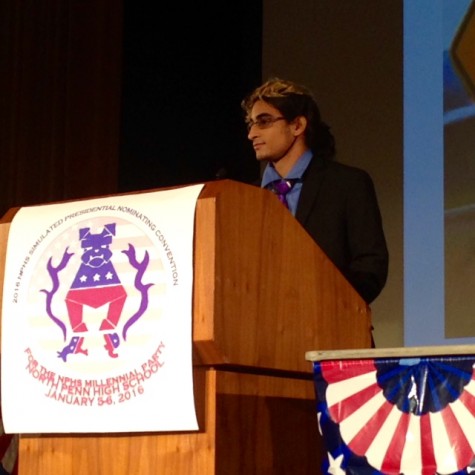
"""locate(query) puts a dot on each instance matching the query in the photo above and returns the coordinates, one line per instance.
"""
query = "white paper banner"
(97, 315)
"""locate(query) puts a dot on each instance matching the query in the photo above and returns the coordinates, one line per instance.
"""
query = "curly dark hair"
(293, 100)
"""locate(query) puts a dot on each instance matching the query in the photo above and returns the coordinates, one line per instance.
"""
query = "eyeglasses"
(263, 122)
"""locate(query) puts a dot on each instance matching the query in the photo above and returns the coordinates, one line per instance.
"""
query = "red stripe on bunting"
(362, 441)
(392, 459)
(461, 448)
(427, 447)
(349, 405)
(335, 371)
(468, 400)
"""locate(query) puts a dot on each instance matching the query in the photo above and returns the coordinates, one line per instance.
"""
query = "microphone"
(221, 174)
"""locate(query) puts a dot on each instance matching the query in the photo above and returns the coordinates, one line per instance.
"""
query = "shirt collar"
(296, 173)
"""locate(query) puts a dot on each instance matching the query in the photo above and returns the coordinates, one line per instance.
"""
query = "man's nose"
(252, 133)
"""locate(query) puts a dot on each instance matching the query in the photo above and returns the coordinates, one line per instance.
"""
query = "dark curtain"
(186, 68)
(106, 96)
(59, 99)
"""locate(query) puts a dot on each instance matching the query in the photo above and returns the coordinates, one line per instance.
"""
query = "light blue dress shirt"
(270, 175)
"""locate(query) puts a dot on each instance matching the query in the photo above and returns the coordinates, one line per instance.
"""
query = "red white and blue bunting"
(411, 416)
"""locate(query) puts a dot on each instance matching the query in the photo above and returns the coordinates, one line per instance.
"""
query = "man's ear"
(299, 125)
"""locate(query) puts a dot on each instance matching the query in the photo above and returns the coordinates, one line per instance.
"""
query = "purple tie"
(281, 188)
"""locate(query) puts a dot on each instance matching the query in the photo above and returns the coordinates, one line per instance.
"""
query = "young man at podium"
(335, 203)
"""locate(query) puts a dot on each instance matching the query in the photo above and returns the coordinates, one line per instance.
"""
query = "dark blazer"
(339, 209)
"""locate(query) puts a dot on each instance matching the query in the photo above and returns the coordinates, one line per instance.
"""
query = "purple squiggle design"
(53, 272)
(141, 267)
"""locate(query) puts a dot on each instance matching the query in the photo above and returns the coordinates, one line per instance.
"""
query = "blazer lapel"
(312, 181)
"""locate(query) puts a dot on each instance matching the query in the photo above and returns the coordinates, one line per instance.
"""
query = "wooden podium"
(263, 294)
